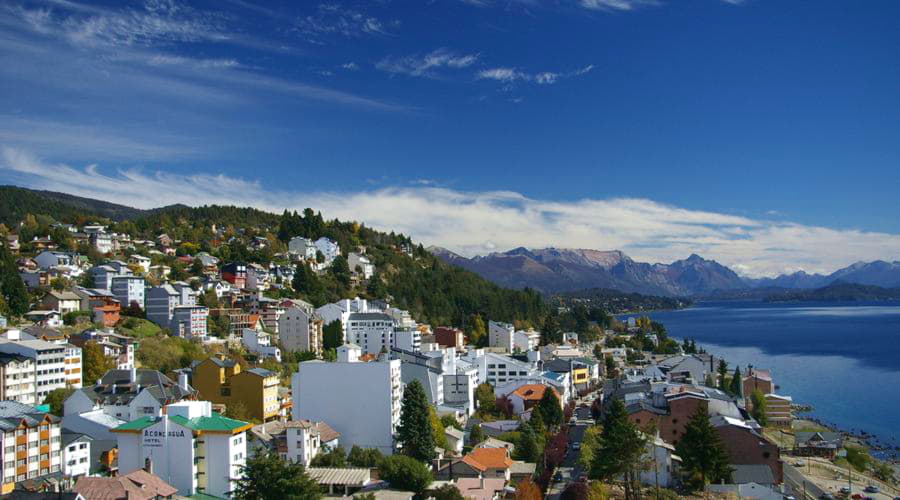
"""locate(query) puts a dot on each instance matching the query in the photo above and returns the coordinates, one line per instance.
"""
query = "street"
(570, 470)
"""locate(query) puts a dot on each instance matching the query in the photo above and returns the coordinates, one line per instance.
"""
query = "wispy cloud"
(335, 19)
(509, 75)
(477, 222)
(426, 65)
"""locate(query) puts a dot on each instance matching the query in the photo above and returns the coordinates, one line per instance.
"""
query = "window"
(10, 449)
(72, 448)
(20, 462)
(82, 446)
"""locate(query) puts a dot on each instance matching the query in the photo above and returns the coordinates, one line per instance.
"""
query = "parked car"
(872, 489)
(576, 446)
(800, 463)
(826, 496)
(845, 490)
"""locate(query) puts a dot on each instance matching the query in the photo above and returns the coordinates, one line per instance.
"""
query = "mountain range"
(554, 270)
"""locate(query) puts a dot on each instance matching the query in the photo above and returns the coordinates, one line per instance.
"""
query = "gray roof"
(755, 473)
(828, 439)
(262, 372)
(13, 412)
(8, 358)
(369, 317)
(351, 477)
(69, 436)
(115, 387)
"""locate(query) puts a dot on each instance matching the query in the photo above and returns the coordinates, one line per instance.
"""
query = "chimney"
(183, 381)
(132, 375)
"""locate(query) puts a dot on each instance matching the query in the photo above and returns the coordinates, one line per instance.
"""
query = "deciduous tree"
(94, 363)
(405, 473)
(266, 475)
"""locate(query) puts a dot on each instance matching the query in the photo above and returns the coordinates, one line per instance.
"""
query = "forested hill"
(835, 292)
(433, 291)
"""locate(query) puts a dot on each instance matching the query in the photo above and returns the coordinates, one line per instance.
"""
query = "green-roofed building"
(190, 447)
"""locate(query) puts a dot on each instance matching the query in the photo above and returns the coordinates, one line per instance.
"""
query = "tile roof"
(489, 458)
(136, 485)
(532, 392)
(357, 477)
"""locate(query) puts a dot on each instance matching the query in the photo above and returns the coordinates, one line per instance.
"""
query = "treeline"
(616, 302)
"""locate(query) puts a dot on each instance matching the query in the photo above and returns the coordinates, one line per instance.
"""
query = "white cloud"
(509, 75)
(475, 222)
(334, 19)
(426, 65)
(350, 66)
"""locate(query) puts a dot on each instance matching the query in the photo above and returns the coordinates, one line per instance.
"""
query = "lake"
(841, 358)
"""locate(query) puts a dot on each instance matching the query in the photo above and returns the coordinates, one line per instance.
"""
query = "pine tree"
(476, 435)
(736, 388)
(620, 449)
(550, 409)
(415, 432)
(758, 406)
(12, 289)
(723, 372)
(332, 335)
(528, 449)
(702, 452)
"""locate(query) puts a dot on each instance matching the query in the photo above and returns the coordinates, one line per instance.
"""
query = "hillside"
(616, 302)
(15, 202)
(839, 291)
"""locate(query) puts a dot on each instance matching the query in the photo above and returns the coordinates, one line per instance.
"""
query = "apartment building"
(222, 381)
(30, 444)
(50, 365)
(128, 290)
(190, 447)
(373, 332)
(334, 393)
(17, 378)
(300, 330)
(189, 322)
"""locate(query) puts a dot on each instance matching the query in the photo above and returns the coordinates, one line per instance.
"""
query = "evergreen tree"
(12, 289)
(341, 271)
(702, 452)
(332, 335)
(550, 409)
(528, 448)
(266, 475)
(415, 432)
(476, 435)
(484, 395)
(550, 331)
(736, 388)
(56, 398)
(620, 449)
(375, 288)
(405, 473)
(723, 373)
(447, 492)
(364, 457)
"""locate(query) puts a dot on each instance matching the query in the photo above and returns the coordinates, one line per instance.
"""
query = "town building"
(222, 381)
(30, 444)
(190, 447)
(62, 302)
(260, 343)
(236, 274)
(778, 410)
(745, 445)
(527, 396)
(294, 440)
(189, 322)
(48, 360)
(500, 335)
(333, 392)
(302, 248)
(329, 249)
(300, 330)
(128, 290)
(373, 332)
(17, 378)
(446, 336)
(140, 261)
(118, 347)
(361, 265)
(818, 444)
(136, 485)
(76, 454)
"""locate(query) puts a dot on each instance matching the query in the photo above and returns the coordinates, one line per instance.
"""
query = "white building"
(361, 262)
(662, 461)
(76, 454)
(17, 379)
(140, 261)
(408, 339)
(49, 259)
(260, 344)
(49, 363)
(526, 340)
(501, 335)
(191, 448)
(102, 275)
(359, 400)
(257, 277)
(300, 330)
(497, 369)
(373, 332)
(329, 249)
(302, 248)
(448, 381)
(160, 304)
(128, 290)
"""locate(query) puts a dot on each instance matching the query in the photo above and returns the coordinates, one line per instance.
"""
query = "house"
(164, 240)
(578, 371)
(528, 396)
(236, 274)
(745, 445)
(62, 302)
(12, 243)
(50, 319)
(449, 337)
(120, 348)
(295, 440)
(189, 322)
(190, 438)
(490, 462)
(302, 248)
(136, 485)
(160, 304)
(300, 330)
(35, 437)
(76, 453)
(329, 249)
(663, 464)
(756, 379)
(455, 439)
(140, 261)
(691, 368)
(50, 259)
(481, 488)
(340, 481)
(122, 395)
(409, 339)
(331, 392)
(526, 340)
(101, 276)
(222, 381)
(361, 265)
(107, 315)
(818, 444)
(260, 343)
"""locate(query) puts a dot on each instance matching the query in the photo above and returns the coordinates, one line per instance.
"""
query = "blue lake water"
(841, 358)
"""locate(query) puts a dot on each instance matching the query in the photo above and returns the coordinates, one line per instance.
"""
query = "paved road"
(799, 484)
(570, 470)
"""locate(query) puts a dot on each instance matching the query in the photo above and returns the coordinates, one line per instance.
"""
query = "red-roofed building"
(529, 395)
(449, 337)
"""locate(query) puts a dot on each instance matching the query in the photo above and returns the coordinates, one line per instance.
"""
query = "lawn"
(139, 328)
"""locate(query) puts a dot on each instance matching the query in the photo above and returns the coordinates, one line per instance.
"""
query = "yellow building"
(222, 381)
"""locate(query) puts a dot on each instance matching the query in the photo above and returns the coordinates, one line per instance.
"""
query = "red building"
(446, 336)
(235, 273)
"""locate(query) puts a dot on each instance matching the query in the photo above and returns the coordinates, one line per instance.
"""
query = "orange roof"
(488, 458)
(368, 357)
(532, 391)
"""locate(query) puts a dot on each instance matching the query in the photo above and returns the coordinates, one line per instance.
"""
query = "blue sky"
(762, 133)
